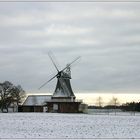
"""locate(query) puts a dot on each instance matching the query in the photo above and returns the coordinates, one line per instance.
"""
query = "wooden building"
(63, 106)
(34, 103)
(46, 103)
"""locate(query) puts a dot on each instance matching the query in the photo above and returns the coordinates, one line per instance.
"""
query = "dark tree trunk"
(4, 109)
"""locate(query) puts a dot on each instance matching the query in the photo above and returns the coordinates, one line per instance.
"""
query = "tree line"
(131, 106)
(10, 94)
(114, 104)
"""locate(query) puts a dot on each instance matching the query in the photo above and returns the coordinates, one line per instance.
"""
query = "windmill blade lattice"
(50, 55)
(71, 63)
(47, 81)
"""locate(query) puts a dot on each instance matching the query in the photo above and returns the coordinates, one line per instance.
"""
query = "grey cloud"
(106, 35)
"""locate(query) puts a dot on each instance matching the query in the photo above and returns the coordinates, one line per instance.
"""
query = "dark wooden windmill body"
(63, 88)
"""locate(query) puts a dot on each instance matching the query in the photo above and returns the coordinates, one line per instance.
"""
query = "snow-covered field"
(68, 126)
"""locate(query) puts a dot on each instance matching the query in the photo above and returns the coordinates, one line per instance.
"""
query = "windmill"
(63, 98)
(63, 88)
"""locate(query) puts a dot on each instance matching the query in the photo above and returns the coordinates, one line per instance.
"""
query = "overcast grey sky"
(106, 36)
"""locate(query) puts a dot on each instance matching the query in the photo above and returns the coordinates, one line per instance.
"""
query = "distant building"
(34, 103)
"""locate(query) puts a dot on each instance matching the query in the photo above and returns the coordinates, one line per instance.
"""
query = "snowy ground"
(68, 126)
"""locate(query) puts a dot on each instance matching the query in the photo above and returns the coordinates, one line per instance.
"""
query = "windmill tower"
(63, 88)
(63, 95)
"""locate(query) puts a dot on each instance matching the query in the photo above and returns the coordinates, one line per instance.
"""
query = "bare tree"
(115, 102)
(99, 101)
(10, 94)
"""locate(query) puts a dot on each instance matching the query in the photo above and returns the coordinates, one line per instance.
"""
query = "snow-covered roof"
(37, 99)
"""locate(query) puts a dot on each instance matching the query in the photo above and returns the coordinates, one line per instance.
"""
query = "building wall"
(30, 109)
(64, 107)
(60, 107)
